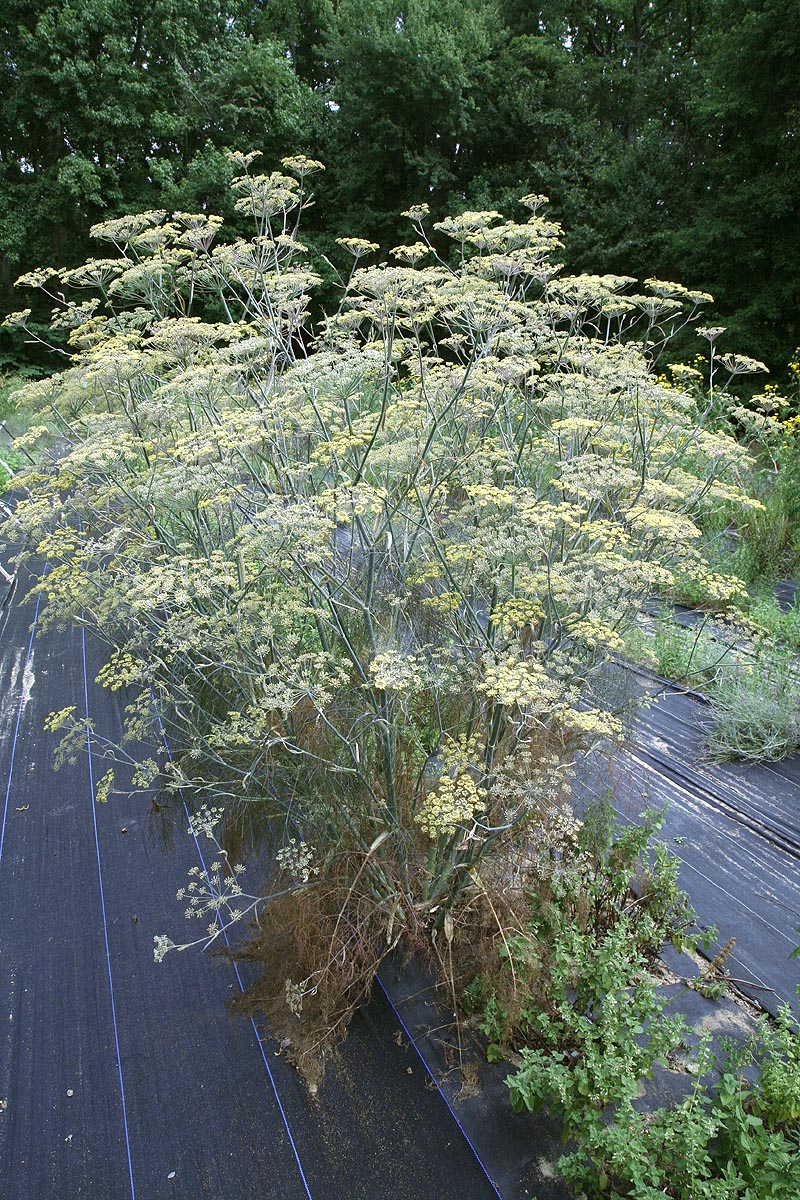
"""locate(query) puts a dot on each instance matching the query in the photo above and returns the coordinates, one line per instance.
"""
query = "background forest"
(665, 134)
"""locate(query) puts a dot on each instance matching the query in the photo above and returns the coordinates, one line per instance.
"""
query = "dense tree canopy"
(743, 229)
(666, 134)
(113, 104)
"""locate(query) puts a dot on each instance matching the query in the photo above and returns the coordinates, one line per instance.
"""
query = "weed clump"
(572, 999)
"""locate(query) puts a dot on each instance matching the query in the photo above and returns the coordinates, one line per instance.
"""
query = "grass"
(10, 462)
(9, 382)
(781, 624)
(756, 708)
(768, 543)
(689, 656)
(754, 694)
(753, 688)
(15, 421)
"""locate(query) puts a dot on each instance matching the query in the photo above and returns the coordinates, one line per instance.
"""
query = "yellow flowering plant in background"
(367, 576)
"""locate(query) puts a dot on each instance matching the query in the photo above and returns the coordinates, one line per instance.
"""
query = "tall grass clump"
(367, 575)
(755, 706)
(751, 682)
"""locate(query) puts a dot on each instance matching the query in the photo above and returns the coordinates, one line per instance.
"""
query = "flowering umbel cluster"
(368, 575)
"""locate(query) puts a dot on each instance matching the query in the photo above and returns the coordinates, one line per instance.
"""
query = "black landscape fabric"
(120, 1077)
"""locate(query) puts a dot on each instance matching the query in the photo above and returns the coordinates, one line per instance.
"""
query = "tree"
(114, 104)
(744, 235)
(408, 79)
(304, 28)
(647, 122)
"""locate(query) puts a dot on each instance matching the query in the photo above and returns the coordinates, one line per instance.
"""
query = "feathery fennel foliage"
(368, 575)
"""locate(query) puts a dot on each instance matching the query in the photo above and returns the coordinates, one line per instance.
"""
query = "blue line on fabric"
(105, 922)
(241, 985)
(482, 1165)
(438, 1087)
(16, 729)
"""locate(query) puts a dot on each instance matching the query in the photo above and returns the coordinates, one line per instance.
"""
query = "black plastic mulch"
(120, 1077)
(786, 593)
(520, 1166)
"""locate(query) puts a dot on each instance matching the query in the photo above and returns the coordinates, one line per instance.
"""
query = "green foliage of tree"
(304, 28)
(585, 102)
(408, 81)
(113, 104)
(744, 231)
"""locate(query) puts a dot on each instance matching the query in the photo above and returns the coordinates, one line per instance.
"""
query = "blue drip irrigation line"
(439, 1089)
(105, 922)
(235, 966)
(16, 728)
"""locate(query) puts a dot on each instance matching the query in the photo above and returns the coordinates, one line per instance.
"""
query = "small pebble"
(171, 1175)
(70, 1092)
